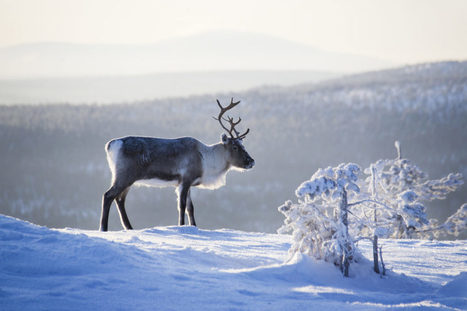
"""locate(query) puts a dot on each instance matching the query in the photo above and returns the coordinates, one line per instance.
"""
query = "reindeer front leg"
(190, 209)
(182, 192)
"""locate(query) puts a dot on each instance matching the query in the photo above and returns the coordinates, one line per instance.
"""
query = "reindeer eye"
(235, 148)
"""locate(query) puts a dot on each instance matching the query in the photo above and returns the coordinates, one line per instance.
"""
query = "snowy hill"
(186, 268)
(54, 170)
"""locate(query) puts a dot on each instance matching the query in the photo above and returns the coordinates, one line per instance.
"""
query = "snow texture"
(186, 268)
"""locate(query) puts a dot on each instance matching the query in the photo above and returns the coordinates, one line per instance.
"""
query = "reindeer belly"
(156, 182)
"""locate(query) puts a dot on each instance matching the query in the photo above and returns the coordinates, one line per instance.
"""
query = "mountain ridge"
(221, 50)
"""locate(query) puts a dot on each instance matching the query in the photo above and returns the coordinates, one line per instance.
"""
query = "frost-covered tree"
(335, 209)
(454, 225)
(319, 222)
(457, 222)
(402, 189)
(367, 224)
(392, 203)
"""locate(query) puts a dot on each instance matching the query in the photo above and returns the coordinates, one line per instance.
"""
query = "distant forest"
(54, 170)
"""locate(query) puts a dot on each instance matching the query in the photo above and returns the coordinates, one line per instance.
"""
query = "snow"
(330, 179)
(187, 268)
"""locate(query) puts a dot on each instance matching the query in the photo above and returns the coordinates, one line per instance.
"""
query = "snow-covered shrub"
(319, 220)
(456, 222)
(312, 228)
(401, 188)
(389, 203)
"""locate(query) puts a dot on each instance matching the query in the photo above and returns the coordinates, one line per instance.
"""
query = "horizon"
(110, 89)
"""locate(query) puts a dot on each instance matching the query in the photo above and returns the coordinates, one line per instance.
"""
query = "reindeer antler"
(230, 120)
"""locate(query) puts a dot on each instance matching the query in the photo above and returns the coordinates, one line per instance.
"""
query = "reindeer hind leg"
(107, 199)
(120, 201)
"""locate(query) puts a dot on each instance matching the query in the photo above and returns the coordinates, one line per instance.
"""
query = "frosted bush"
(319, 220)
(401, 188)
(332, 211)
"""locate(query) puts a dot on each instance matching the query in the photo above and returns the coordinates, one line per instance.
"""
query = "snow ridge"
(186, 268)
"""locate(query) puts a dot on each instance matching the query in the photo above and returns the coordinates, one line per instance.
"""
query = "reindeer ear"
(225, 139)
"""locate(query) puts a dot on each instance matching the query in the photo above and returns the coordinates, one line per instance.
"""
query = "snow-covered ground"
(186, 268)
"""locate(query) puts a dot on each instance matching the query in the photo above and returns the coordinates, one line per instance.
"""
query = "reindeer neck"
(215, 166)
(220, 159)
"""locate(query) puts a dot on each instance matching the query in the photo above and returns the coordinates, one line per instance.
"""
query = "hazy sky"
(403, 31)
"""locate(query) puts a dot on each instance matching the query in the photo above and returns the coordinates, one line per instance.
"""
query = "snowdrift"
(186, 268)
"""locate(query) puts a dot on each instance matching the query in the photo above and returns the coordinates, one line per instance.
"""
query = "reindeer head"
(238, 155)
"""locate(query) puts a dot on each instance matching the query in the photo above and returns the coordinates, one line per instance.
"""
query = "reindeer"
(182, 163)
